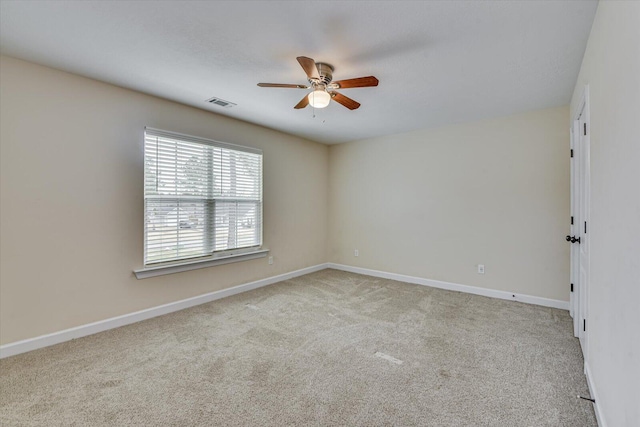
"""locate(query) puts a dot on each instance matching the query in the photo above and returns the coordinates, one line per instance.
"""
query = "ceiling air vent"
(221, 102)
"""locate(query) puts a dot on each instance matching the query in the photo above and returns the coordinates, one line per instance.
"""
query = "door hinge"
(572, 152)
(585, 227)
(571, 220)
(572, 287)
(584, 325)
(585, 128)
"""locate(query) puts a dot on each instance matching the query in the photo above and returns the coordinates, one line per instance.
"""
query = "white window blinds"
(201, 197)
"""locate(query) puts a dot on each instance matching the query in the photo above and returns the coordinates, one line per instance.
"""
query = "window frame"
(213, 257)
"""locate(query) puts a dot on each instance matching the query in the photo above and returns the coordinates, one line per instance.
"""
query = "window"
(202, 198)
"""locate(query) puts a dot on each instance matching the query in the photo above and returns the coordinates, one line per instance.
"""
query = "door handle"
(573, 239)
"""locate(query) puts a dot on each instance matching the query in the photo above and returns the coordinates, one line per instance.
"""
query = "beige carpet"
(325, 349)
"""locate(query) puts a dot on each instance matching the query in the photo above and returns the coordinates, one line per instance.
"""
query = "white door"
(579, 237)
(583, 225)
(574, 296)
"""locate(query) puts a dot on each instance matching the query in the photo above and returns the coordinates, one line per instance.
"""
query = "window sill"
(161, 270)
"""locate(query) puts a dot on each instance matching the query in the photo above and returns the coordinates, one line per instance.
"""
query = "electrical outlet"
(480, 268)
(270, 260)
(356, 253)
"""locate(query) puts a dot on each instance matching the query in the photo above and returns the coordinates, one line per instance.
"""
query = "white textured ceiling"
(438, 62)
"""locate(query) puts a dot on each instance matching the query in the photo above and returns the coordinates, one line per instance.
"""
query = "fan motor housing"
(326, 74)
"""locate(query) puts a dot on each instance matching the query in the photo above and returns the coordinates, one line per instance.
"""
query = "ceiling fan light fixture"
(320, 77)
(319, 98)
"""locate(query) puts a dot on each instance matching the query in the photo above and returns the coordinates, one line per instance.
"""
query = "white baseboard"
(546, 302)
(30, 344)
(594, 396)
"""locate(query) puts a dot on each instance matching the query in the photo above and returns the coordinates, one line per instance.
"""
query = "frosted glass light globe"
(319, 98)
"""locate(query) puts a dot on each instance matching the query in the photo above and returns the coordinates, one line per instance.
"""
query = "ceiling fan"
(320, 77)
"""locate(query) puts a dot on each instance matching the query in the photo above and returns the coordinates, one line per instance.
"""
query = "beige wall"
(431, 203)
(71, 200)
(436, 203)
(611, 67)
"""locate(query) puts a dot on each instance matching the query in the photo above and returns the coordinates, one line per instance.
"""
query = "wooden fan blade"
(345, 100)
(309, 67)
(283, 85)
(357, 82)
(303, 102)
